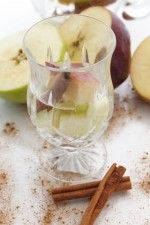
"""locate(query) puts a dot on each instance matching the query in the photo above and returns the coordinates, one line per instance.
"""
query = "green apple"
(14, 67)
(13, 81)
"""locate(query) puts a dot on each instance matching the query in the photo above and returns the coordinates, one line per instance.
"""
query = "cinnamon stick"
(81, 186)
(111, 184)
(90, 209)
(83, 191)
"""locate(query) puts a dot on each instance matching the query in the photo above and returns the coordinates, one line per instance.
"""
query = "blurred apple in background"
(83, 4)
(48, 8)
(73, 1)
(88, 2)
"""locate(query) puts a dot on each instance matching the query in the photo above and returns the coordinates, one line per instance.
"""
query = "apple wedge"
(14, 80)
(120, 64)
(84, 32)
(14, 69)
(140, 69)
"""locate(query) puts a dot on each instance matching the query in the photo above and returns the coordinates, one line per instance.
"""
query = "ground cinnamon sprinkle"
(10, 128)
(3, 218)
(145, 183)
(46, 145)
(3, 178)
(48, 217)
(147, 222)
(6, 216)
(54, 212)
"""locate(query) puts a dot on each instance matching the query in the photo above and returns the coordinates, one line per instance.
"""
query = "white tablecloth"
(23, 199)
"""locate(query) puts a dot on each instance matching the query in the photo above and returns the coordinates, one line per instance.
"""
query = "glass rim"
(51, 68)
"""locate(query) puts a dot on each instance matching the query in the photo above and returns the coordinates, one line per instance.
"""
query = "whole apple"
(120, 64)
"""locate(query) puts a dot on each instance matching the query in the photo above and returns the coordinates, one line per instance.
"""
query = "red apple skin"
(121, 59)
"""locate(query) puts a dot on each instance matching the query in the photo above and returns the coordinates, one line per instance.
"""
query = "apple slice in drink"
(80, 31)
(74, 91)
(71, 107)
(81, 89)
(74, 124)
(77, 125)
(84, 31)
(77, 109)
(77, 112)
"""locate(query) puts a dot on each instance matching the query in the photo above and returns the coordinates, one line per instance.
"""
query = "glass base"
(75, 165)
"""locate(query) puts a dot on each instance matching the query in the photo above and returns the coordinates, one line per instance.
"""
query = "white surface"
(19, 155)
